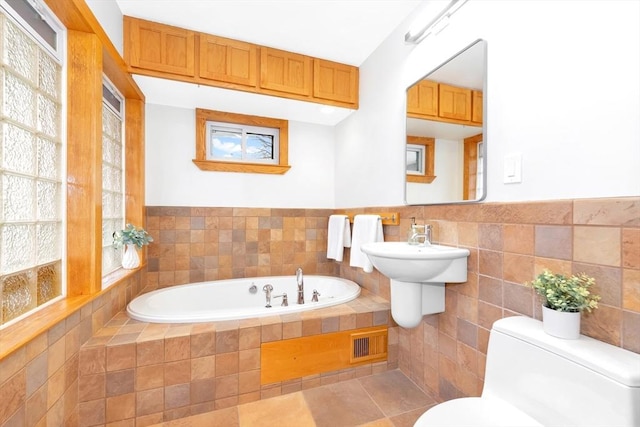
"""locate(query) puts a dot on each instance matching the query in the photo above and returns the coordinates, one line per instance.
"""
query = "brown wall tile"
(553, 241)
(631, 248)
(597, 245)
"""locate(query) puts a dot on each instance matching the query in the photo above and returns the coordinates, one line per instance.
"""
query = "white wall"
(173, 180)
(563, 90)
(110, 17)
(448, 169)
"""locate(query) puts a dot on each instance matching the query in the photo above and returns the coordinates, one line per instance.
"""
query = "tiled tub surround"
(510, 244)
(39, 380)
(145, 373)
(445, 355)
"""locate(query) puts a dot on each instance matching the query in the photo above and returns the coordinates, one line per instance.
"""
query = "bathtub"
(232, 299)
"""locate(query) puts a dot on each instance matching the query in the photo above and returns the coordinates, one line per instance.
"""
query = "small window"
(227, 142)
(415, 159)
(242, 143)
(420, 159)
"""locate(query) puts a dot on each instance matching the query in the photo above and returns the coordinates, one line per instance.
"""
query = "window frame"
(239, 120)
(426, 175)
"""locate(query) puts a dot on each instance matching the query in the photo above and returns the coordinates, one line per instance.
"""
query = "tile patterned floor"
(387, 399)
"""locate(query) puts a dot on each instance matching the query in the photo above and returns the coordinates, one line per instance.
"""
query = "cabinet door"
(227, 60)
(454, 102)
(285, 71)
(422, 99)
(159, 47)
(335, 82)
(476, 107)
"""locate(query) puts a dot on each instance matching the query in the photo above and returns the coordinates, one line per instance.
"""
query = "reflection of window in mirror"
(472, 180)
(420, 159)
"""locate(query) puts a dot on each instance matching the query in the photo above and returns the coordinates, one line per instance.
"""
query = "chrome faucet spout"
(300, 282)
(267, 290)
(416, 235)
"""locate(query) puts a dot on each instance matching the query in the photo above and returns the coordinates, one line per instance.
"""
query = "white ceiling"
(345, 31)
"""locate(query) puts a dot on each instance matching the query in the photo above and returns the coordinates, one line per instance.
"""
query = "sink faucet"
(300, 281)
(414, 239)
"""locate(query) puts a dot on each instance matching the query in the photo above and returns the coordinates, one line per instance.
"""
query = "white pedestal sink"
(418, 274)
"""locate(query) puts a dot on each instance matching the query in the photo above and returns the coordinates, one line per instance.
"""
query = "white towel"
(366, 229)
(338, 236)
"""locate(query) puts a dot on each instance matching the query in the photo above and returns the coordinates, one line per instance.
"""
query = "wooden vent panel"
(299, 357)
(368, 346)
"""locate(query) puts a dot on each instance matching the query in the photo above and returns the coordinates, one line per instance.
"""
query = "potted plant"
(130, 238)
(563, 301)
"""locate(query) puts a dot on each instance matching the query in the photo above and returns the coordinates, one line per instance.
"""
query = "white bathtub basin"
(231, 299)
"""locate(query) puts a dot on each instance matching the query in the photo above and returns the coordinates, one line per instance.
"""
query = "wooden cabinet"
(159, 50)
(158, 47)
(422, 99)
(228, 60)
(283, 71)
(454, 102)
(334, 81)
(476, 106)
(430, 100)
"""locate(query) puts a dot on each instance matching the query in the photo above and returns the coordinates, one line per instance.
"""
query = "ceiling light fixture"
(418, 31)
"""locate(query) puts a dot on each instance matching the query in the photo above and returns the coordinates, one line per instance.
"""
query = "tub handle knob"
(285, 299)
(267, 290)
(316, 294)
(253, 289)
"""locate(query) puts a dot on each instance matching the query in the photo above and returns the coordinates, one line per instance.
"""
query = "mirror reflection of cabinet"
(448, 106)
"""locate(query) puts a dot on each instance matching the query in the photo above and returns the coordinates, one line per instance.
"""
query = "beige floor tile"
(289, 410)
(394, 393)
(342, 404)
(227, 417)
(408, 419)
(382, 422)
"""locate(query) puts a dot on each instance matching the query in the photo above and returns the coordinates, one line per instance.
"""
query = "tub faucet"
(267, 290)
(300, 281)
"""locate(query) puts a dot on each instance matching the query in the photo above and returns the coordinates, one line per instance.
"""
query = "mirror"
(446, 148)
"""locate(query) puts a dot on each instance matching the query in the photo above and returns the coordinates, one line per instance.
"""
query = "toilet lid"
(475, 411)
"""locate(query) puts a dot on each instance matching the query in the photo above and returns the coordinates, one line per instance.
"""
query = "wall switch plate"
(512, 168)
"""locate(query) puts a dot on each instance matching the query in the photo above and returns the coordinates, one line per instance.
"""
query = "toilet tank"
(583, 382)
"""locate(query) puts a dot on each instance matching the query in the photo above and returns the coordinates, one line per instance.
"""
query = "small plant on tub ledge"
(131, 237)
(563, 301)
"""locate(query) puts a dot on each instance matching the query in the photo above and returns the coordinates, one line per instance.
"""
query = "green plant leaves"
(131, 236)
(566, 294)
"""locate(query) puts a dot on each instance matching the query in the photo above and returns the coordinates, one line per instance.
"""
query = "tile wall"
(196, 244)
(39, 381)
(509, 243)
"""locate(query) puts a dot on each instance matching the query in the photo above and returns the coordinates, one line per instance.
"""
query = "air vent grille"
(369, 346)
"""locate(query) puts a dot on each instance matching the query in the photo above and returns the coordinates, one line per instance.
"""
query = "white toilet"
(534, 379)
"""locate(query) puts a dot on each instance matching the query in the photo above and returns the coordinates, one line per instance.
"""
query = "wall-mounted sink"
(418, 263)
(418, 274)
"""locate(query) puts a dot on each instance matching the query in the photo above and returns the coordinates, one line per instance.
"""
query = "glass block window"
(32, 237)
(112, 175)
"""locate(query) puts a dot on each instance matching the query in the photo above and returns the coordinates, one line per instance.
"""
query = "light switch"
(512, 168)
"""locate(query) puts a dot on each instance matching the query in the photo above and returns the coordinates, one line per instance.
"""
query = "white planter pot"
(561, 324)
(130, 258)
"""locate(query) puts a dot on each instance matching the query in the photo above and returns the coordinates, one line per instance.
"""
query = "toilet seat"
(476, 411)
